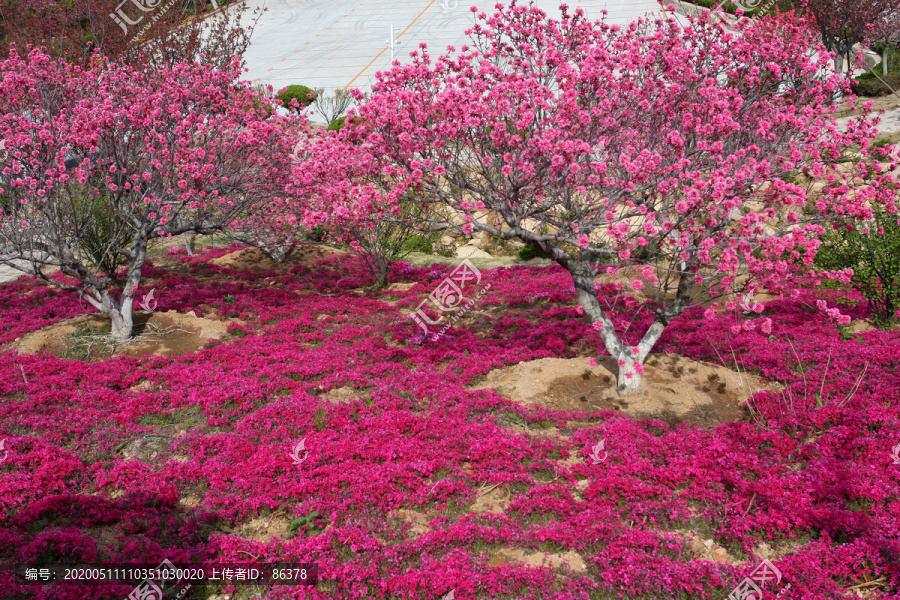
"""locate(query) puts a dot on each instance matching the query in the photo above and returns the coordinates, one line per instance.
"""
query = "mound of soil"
(254, 259)
(675, 389)
(155, 333)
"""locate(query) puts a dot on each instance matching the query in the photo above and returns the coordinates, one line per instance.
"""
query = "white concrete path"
(343, 43)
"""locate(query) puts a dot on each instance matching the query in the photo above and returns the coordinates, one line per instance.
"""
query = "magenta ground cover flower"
(811, 475)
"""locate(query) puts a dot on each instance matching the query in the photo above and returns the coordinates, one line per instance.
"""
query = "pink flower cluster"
(808, 472)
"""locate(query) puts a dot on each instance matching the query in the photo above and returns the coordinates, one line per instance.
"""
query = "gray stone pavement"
(7, 273)
(890, 121)
(343, 43)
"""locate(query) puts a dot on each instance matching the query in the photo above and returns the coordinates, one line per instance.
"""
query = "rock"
(719, 555)
(860, 326)
(763, 550)
(469, 251)
(697, 546)
(141, 386)
(145, 448)
(481, 240)
(447, 240)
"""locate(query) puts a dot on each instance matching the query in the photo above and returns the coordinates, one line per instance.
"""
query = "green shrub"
(529, 252)
(418, 243)
(646, 253)
(871, 87)
(99, 233)
(385, 239)
(318, 234)
(874, 258)
(302, 94)
(336, 124)
(730, 7)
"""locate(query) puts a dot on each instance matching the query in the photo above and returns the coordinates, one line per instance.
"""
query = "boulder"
(470, 251)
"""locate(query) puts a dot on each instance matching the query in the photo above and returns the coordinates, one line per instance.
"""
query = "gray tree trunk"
(625, 356)
(121, 314)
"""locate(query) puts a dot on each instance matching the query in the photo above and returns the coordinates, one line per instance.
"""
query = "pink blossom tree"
(99, 161)
(664, 153)
(845, 23)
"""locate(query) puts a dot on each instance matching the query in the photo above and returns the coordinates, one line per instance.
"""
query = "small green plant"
(529, 252)
(321, 417)
(302, 94)
(237, 332)
(87, 340)
(871, 87)
(382, 241)
(305, 524)
(872, 250)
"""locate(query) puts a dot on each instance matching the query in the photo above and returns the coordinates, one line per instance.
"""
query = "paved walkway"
(9, 274)
(890, 121)
(343, 43)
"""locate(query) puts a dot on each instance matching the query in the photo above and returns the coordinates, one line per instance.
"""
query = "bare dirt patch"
(675, 389)
(342, 395)
(570, 560)
(254, 259)
(263, 529)
(418, 521)
(493, 499)
(84, 337)
(389, 296)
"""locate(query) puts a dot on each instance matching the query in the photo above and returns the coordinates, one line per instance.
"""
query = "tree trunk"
(188, 245)
(120, 315)
(838, 95)
(629, 381)
(122, 325)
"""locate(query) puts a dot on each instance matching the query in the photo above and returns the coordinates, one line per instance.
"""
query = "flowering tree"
(147, 33)
(664, 153)
(845, 23)
(144, 154)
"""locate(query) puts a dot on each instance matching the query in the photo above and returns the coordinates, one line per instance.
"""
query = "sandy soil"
(254, 259)
(155, 333)
(675, 389)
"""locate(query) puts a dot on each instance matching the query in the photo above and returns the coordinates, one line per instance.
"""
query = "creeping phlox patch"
(245, 432)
